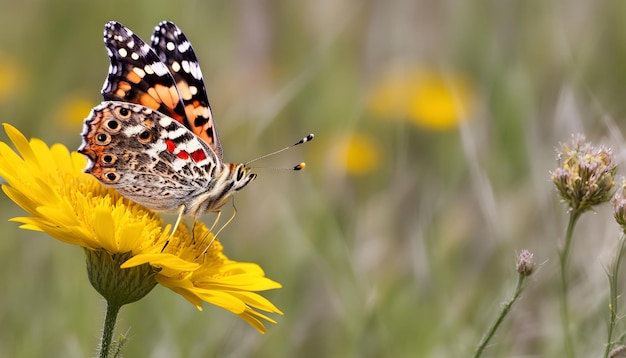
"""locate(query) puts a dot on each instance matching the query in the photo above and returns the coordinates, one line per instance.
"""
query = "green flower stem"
(109, 327)
(506, 307)
(563, 257)
(613, 294)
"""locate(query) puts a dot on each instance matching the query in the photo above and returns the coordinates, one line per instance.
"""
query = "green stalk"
(563, 257)
(506, 307)
(109, 327)
(613, 294)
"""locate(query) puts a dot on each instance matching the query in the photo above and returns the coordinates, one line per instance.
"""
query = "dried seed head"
(585, 175)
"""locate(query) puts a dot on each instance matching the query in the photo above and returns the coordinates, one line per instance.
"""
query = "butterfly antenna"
(300, 166)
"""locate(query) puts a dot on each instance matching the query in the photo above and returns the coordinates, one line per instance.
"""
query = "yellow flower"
(429, 98)
(12, 77)
(216, 279)
(357, 153)
(48, 183)
(71, 111)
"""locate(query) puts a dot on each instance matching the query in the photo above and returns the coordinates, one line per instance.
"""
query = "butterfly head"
(241, 175)
(234, 178)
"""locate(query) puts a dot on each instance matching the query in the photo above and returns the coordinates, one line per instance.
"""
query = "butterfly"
(153, 138)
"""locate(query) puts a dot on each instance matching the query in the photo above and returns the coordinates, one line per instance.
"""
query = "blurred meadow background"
(436, 125)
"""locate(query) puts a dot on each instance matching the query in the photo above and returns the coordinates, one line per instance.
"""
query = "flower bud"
(525, 265)
(118, 286)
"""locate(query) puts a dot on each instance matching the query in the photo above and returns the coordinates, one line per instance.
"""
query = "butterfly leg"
(178, 219)
(229, 220)
(221, 228)
(217, 219)
(181, 210)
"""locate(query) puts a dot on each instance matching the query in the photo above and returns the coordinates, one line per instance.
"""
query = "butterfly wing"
(175, 51)
(153, 160)
(137, 75)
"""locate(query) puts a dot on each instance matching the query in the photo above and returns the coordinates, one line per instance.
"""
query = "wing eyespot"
(113, 125)
(123, 112)
(111, 177)
(145, 136)
(109, 159)
(103, 139)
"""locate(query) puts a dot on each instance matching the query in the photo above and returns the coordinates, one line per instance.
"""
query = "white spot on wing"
(122, 52)
(170, 46)
(205, 161)
(177, 133)
(145, 48)
(141, 73)
(165, 121)
(192, 68)
(160, 69)
(190, 146)
(178, 164)
(182, 48)
(133, 130)
(156, 149)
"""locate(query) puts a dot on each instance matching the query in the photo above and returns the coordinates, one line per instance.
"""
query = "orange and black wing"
(137, 74)
(175, 51)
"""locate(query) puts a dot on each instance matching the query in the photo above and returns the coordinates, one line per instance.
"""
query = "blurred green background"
(435, 125)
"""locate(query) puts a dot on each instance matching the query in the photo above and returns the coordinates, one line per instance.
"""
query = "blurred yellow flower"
(73, 207)
(429, 98)
(72, 111)
(357, 153)
(12, 77)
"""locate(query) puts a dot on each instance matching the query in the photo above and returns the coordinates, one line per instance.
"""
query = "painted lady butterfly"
(154, 139)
